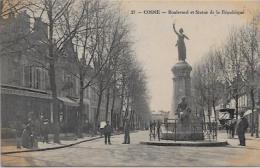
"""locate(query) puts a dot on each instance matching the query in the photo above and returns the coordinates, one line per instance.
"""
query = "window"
(35, 77)
(68, 85)
(77, 88)
(28, 76)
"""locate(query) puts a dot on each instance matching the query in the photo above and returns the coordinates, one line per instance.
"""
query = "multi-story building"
(24, 73)
(25, 85)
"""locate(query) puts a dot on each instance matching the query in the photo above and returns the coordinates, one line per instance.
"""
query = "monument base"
(183, 136)
(186, 129)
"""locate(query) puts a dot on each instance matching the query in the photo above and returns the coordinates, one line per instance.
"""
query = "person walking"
(241, 129)
(107, 133)
(127, 132)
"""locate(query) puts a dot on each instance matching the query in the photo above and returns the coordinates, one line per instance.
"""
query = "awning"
(68, 101)
(248, 112)
(224, 116)
(22, 91)
(230, 110)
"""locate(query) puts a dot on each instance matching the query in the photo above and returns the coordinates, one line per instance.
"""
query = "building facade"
(25, 84)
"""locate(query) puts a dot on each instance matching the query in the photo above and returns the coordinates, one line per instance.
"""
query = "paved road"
(96, 153)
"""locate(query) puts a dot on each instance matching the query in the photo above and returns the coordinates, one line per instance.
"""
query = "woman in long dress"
(180, 43)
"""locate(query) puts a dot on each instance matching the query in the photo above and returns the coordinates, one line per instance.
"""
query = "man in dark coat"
(158, 126)
(45, 130)
(232, 127)
(241, 129)
(27, 136)
(107, 132)
(127, 132)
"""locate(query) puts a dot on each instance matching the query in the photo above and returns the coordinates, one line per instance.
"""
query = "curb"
(50, 148)
(194, 144)
(57, 147)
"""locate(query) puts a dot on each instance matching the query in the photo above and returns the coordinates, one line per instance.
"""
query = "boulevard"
(96, 153)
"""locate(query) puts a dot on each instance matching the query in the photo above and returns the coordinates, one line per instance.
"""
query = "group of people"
(29, 132)
(155, 128)
(108, 131)
(239, 126)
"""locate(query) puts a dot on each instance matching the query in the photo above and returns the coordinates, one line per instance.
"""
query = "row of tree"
(100, 36)
(230, 71)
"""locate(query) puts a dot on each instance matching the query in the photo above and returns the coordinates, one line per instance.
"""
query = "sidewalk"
(66, 140)
(9, 145)
(235, 141)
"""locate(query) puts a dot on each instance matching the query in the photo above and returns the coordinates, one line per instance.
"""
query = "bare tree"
(232, 65)
(62, 26)
(249, 50)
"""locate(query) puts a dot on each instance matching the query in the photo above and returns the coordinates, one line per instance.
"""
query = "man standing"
(127, 132)
(241, 129)
(45, 130)
(107, 133)
(158, 126)
(232, 127)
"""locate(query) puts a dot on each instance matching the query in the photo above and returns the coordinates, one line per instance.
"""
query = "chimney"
(40, 28)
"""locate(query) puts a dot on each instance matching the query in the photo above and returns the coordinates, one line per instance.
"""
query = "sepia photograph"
(130, 83)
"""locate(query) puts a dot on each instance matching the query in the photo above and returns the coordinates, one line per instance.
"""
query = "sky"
(154, 39)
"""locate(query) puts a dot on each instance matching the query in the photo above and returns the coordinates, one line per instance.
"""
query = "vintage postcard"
(129, 83)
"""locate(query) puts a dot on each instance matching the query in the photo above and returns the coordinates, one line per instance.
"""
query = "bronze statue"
(181, 44)
(182, 107)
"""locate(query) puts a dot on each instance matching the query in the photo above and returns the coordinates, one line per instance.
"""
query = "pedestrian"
(154, 129)
(18, 131)
(227, 127)
(151, 130)
(158, 129)
(27, 136)
(232, 127)
(127, 132)
(241, 129)
(45, 130)
(107, 133)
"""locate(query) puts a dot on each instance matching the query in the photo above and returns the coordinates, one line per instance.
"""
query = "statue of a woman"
(181, 44)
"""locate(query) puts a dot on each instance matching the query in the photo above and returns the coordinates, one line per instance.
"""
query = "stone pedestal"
(189, 126)
(181, 84)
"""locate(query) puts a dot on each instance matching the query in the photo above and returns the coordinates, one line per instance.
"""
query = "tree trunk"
(257, 123)
(113, 120)
(98, 110)
(209, 117)
(55, 104)
(236, 100)
(121, 105)
(214, 109)
(126, 111)
(107, 105)
(81, 105)
(252, 96)
(52, 75)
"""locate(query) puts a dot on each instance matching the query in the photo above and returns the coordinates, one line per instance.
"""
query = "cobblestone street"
(96, 153)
